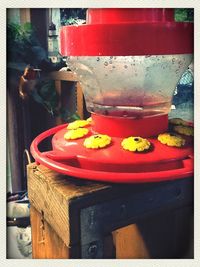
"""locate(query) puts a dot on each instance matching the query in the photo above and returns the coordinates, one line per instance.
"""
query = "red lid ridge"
(127, 31)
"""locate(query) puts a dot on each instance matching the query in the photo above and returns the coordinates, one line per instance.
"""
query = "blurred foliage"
(47, 92)
(20, 38)
(21, 44)
(46, 95)
(184, 14)
(68, 116)
(72, 21)
(19, 33)
(71, 16)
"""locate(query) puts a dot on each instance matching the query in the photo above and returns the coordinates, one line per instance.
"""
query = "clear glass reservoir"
(129, 86)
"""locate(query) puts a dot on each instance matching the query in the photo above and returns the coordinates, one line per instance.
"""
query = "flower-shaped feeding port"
(97, 141)
(136, 144)
(185, 130)
(77, 124)
(178, 121)
(76, 133)
(170, 139)
(89, 119)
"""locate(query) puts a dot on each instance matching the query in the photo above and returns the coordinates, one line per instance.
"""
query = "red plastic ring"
(113, 177)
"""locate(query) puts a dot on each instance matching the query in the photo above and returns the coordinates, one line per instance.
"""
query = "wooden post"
(45, 242)
(79, 100)
(25, 15)
(39, 18)
(63, 81)
(15, 129)
(129, 243)
(69, 216)
(59, 91)
(51, 218)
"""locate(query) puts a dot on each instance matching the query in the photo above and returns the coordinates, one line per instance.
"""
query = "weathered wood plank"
(37, 234)
(129, 243)
(79, 100)
(16, 139)
(59, 200)
(62, 76)
(25, 15)
(52, 193)
(46, 244)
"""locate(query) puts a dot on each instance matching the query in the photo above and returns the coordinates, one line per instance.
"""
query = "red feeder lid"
(127, 31)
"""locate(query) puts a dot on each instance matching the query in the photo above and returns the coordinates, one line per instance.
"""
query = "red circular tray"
(113, 164)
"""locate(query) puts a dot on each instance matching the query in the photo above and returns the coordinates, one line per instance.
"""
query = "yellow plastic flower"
(171, 139)
(77, 124)
(178, 121)
(97, 141)
(75, 134)
(185, 130)
(89, 119)
(135, 144)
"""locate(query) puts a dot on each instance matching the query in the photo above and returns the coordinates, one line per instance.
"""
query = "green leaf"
(184, 14)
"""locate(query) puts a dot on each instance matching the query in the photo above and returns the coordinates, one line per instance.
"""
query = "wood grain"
(62, 76)
(129, 243)
(25, 15)
(46, 244)
(52, 193)
(59, 199)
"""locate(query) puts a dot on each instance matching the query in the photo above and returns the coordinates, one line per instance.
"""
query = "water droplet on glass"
(110, 62)
(125, 66)
(98, 59)
(111, 57)
(125, 114)
(106, 63)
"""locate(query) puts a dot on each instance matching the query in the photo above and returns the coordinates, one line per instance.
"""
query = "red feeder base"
(113, 163)
(124, 127)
